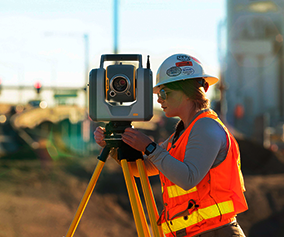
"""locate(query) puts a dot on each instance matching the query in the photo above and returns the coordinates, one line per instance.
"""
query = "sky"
(43, 40)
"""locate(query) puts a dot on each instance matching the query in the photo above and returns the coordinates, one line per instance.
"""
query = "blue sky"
(43, 40)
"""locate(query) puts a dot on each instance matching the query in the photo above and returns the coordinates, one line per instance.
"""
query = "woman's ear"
(206, 86)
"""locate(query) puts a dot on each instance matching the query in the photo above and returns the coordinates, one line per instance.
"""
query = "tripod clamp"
(114, 129)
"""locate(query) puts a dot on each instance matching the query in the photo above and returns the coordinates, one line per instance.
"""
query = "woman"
(199, 165)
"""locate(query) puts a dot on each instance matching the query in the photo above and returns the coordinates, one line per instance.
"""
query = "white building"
(254, 65)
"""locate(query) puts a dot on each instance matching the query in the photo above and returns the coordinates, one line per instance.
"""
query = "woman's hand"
(136, 139)
(100, 136)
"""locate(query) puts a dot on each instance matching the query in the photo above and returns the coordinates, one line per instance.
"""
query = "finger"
(103, 130)
(98, 135)
(99, 140)
(130, 130)
(126, 138)
(100, 130)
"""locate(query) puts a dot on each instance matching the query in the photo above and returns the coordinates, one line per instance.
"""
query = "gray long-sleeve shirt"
(206, 148)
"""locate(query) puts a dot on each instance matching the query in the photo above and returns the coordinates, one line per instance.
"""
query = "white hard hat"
(181, 67)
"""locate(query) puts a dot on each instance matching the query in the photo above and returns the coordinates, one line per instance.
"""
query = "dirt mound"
(256, 160)
(41, 202)
(264, 180)
(40, 198)
(266, 206)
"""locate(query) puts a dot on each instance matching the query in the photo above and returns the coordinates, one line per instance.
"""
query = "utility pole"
(115, 23)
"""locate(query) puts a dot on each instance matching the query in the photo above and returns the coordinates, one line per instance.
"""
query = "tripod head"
(114, 130)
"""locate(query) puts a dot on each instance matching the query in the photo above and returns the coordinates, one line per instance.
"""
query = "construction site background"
(46, 167)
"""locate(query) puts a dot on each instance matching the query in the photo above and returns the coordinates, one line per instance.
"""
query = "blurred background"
(47, 149)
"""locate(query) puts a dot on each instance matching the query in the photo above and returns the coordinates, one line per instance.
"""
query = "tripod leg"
(133, 200)
(140, 207)
(149, 199)
(85, 199)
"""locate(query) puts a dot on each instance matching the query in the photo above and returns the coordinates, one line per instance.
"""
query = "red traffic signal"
(37, 86)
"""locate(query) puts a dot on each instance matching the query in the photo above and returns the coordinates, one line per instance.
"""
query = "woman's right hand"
(100, 136)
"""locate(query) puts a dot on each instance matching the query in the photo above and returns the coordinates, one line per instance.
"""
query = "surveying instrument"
(109, 91)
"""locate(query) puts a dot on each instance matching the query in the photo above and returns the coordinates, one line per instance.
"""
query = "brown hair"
(193, 89)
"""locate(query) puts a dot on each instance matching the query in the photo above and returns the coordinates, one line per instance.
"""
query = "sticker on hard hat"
(188, 71)
(173, 71)
(183, 58)
(184, 63)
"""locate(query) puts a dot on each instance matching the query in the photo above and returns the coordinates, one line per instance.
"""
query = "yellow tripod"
(125, 152)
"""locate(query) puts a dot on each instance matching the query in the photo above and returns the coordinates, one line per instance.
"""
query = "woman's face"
(175, 103)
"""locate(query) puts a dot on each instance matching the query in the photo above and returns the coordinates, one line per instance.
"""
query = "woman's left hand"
(136, 139)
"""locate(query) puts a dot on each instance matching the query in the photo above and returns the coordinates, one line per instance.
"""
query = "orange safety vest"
(213, 202)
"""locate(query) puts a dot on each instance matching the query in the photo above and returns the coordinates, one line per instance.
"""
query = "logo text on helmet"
(173, 71)
(183, 58)
(188, 71)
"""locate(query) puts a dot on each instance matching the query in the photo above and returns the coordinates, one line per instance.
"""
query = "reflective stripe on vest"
(198, 215)
(175, 191)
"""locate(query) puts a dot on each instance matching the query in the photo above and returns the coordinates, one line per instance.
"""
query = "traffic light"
(37, 86)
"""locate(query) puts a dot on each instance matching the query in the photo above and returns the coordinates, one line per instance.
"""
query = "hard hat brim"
(210, 79)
